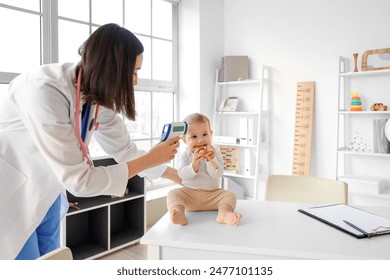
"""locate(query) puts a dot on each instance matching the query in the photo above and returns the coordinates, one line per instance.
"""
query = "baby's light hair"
(197, 118)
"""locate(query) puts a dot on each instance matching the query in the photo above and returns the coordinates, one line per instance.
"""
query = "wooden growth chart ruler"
(303, 128)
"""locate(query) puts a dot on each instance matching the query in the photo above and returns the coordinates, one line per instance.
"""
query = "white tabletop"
(268, 230)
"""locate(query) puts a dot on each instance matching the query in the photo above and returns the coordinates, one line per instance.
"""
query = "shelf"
(125, 226)
(105, 223)
(120, 222)
(125, 236)
(368, 154)
(235, 145)
(244, 82)
(368, 179)
(233, 175)
(255, 107)
(238, 113)
(90, 203)
(365, 113)
(365, 73)
(87, 250)
(86, 233)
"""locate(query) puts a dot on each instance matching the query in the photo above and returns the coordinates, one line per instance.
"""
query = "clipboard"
(351, 220)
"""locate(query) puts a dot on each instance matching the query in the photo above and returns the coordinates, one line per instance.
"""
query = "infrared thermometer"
(173, 129)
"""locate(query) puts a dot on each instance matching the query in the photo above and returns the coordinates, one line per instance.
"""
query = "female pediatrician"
(46, 121)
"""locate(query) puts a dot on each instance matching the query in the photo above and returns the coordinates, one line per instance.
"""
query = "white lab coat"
(40, 155)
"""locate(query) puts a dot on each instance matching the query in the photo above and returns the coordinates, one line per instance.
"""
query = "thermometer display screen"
(178, 128)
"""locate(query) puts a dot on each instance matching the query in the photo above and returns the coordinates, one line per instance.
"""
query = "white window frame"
(49, 53)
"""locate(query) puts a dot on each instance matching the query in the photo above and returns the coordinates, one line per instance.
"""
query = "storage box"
(364, 184)
(234, 68)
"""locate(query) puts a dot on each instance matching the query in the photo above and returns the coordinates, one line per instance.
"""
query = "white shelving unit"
(357, 163)
(104, 224)
(254, 104)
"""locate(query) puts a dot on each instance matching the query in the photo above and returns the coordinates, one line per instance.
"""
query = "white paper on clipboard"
(336, 215)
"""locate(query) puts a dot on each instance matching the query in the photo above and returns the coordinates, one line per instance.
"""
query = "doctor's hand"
(165, 151)
(157, 155)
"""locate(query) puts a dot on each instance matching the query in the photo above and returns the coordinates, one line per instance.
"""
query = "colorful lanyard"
(82, 131)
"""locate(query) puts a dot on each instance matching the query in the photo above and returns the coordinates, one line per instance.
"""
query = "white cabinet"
(104, 224)
(366, 170)
(243, 132)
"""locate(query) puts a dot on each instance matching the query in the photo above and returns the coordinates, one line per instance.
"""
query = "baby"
(200, 168)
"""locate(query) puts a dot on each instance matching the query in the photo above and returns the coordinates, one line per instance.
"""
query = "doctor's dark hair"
(108, 60)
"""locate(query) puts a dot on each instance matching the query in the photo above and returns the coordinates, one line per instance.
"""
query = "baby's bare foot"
(178, 217)
(229, 218)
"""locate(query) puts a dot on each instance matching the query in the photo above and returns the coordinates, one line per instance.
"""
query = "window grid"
(49, 53)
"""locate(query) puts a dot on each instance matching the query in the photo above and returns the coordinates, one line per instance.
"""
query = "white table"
(268, 230)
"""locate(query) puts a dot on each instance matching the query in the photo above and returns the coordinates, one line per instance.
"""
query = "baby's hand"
(210, 152)
(196, 160)
(198, 155)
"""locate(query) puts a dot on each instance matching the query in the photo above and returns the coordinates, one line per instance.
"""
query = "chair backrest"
(305, 189)
(62, 253)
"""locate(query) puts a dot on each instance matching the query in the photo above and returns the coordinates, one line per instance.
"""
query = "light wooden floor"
(133, 252)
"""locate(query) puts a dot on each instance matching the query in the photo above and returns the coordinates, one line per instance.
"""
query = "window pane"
(162, 19)
(66, 8)
(162, 111)
(25, 31)
(70, 37)
(140, 128)
(107, 11)
(94, 28)
(146, 69)
(137, 16)
(162, 60)
(25, 4)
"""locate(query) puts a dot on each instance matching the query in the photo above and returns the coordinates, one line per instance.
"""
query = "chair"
(294, 188)
(62, 253)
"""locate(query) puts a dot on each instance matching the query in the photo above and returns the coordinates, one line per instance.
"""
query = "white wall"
(201, 46)
(301, 40)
